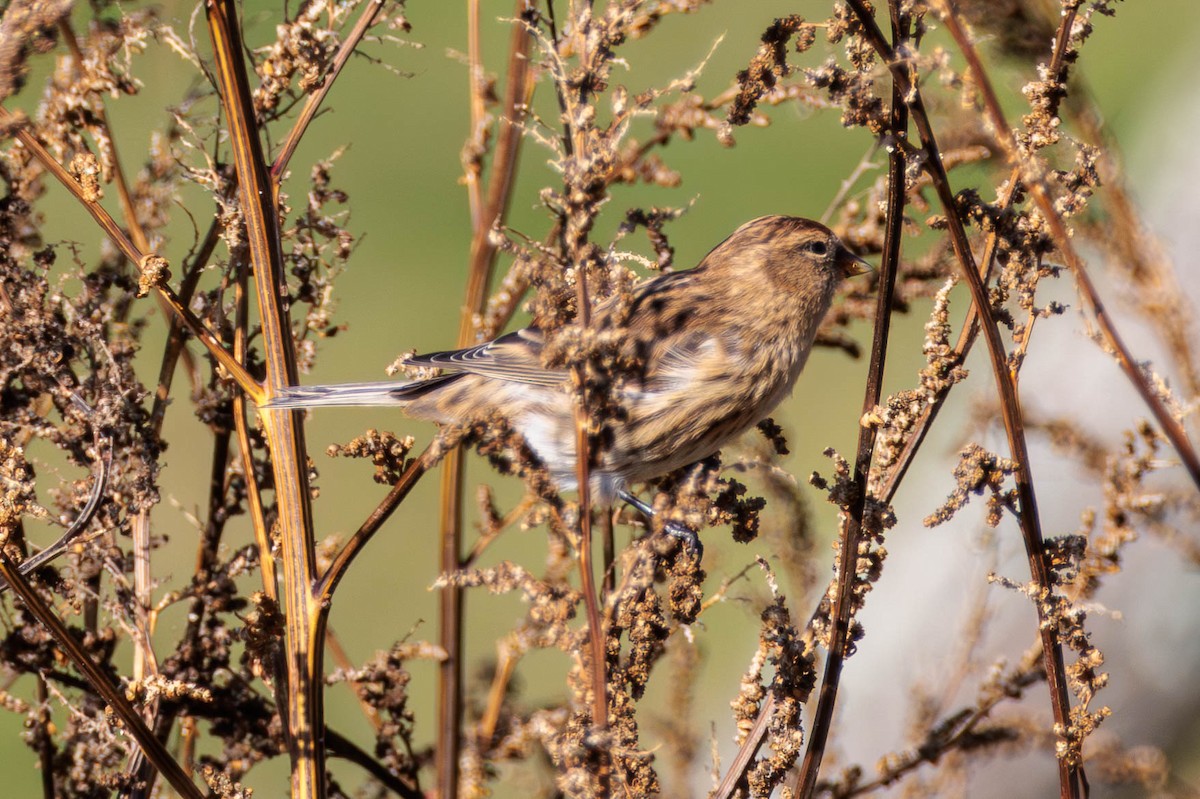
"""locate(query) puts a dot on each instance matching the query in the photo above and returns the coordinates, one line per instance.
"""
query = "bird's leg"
(688, 536)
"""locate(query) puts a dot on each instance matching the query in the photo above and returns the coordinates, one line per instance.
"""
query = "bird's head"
(786, 253)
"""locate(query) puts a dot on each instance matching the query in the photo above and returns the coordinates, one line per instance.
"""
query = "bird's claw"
(686, 536)
(691, 541)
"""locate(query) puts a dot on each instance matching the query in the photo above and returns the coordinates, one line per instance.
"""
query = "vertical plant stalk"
(1070, 773)
(852, 522)
(485, 214)
(254, 505)
(476, 136)
(304, 621)
(587, 577)
(572, 235)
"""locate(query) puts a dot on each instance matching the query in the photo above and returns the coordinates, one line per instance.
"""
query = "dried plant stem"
(365, 20)
(43, 741)
(506, 666)
(337, 569)
(450, 625)
(1070, 776)
(587, 578)
(343, 747)
(241, 426)
(970, 328)
(475, 102)
(99, 680)
(1035, 180)
(481, 264)
(141, 526)
(304, 617)
(197, 328)
(851, 533)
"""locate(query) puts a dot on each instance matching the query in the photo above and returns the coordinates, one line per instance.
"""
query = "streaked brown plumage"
(722, 344)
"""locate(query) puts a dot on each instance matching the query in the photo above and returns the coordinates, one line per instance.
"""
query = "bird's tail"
(392, 392)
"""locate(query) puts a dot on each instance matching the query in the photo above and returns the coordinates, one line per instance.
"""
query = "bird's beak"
(852, 265)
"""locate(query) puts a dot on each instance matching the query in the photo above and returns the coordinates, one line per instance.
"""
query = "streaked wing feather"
(685, 362)
(515, 357)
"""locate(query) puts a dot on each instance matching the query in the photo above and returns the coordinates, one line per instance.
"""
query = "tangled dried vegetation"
(249, 299)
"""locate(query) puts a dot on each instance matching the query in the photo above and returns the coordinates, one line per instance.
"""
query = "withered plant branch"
(42, 739)
(304, 617)
(485, 214)
(740, 766)
(343, 747)
(325, 587)
(450, 621)
(142, 259)
(176, 344)
(574, 141)
(144, 656)
(970, 328)
(476, 138)
(241, 426)
(506, 667)
(206, 560)
(365, 20)
(99, 680)
(103, 468)
(966, 339)
(1070, 773)
(136, 232)
(851, 532)
(1035, 180)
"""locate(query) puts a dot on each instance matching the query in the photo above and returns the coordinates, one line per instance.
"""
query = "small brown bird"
(722, 344)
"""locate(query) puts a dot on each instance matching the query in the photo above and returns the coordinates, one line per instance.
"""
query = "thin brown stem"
(970, 329)
(476, 138)
(241, 426)
(99, 679)
(337, 569)
(314, 100)
(141, 259)
(450, 627)
(851, 533)
(506, 666)
(42, 739)
(481, 264)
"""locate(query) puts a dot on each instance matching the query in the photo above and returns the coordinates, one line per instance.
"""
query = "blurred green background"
(403, 115)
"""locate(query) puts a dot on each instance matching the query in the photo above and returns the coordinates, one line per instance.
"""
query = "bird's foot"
(686, 535)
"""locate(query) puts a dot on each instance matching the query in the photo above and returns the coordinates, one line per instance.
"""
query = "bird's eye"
(817, 247)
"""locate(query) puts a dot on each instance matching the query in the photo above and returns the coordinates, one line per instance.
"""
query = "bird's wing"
(515, 357)
(685, 361)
